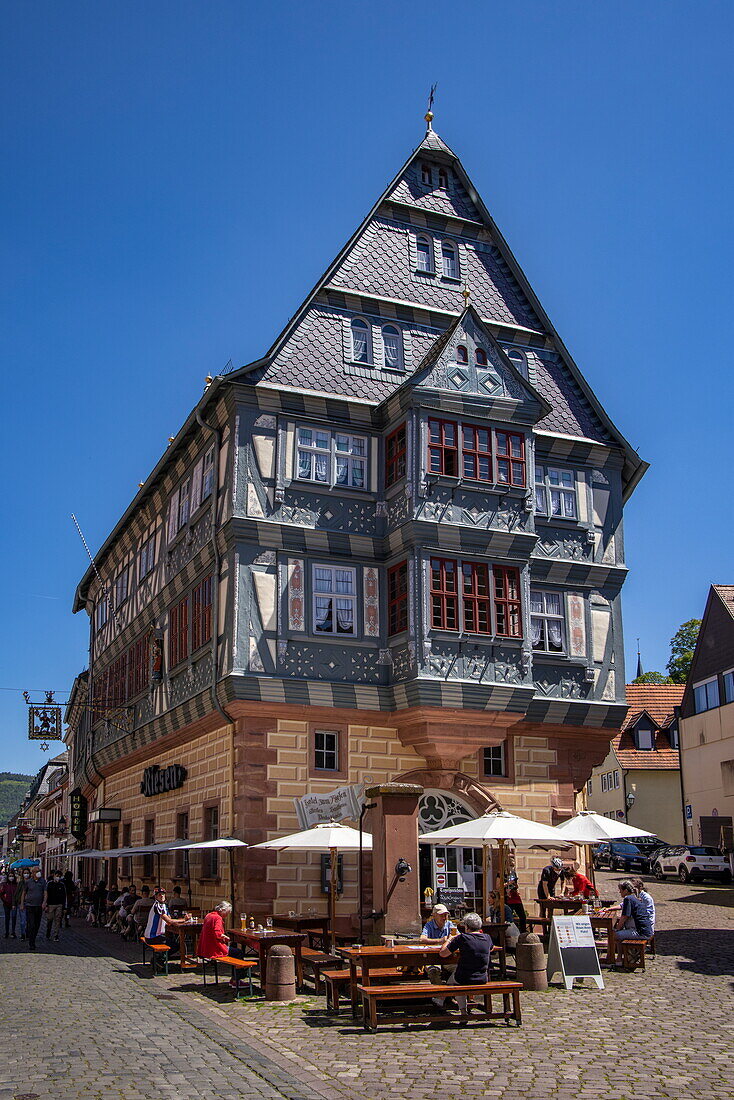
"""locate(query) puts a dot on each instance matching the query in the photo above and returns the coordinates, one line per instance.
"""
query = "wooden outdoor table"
(195, 927)
(363, 959)
(548, 906)
(261, 942)
(318, 927)
(604, 924)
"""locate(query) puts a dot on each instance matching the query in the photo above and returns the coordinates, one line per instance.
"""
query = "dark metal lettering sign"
(159, 780)
(78, 814)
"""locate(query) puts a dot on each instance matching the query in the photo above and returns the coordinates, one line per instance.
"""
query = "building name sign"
(344, 802)
(78, 814)
(159, 780)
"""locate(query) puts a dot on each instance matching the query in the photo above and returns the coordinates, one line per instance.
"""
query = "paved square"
(82, 1019)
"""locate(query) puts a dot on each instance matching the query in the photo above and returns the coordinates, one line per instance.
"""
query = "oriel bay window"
(334, 597)
(547, 621)
(332, 458)
(397, 598)
(486, 600)
(395, 456)
(488, 455)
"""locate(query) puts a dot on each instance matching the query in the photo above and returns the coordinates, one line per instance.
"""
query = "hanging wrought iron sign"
(159, 780)
(44, 720)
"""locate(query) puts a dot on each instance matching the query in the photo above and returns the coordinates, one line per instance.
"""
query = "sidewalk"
(88, 1023)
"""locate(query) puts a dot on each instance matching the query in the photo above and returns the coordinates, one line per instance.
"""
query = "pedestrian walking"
(32, 894)
(54, 903)
(24, 878)
(8, 891)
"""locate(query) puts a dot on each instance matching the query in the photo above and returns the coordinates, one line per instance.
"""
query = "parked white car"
(691, 863)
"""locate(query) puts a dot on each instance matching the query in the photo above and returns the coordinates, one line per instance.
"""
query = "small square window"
(494, 761)
(326, 750)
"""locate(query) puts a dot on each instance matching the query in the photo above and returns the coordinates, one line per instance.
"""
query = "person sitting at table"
(579, 886)
(549, 876)
(494, 916)
(633, 922)
(439, 927)
(214, 943)
(474, 947)
(646, 900)
(159, 919)
(176, 904)
(138, 917)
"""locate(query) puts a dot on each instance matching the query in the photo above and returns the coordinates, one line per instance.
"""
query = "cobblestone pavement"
(82, 1019)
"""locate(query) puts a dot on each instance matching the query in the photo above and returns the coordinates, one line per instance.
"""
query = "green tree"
(682, 645)
(652, 678)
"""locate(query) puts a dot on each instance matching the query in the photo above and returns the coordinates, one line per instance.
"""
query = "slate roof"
(376, 263)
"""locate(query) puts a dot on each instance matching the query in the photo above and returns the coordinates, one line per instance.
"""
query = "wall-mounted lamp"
(402, 868)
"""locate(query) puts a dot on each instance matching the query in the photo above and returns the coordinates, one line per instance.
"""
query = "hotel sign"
(159, 780)
(78, 804)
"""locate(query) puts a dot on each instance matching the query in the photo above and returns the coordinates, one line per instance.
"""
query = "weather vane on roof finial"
(466, 295)
(429, 113)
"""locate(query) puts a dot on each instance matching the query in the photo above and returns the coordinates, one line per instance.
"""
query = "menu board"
(572, 950)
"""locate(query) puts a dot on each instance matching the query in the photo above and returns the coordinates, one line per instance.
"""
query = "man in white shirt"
(159, 919)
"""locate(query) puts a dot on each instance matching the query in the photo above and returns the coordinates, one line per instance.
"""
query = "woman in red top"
(213, 940)
(580, 885)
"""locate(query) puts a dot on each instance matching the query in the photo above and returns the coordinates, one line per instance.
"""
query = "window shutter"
(407, 350)
(196, 486)
(378, 347)
(346, 340)
(412, 251)
(173, 517)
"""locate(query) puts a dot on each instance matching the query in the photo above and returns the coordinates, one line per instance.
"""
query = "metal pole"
(332, 897)
(360, 870)
(188, 874)
(485, 887)
(501, 900)
(231, 878)
(158, 860)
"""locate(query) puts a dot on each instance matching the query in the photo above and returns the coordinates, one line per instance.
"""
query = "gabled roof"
(630, 757)
(725, 592)
(434, 353)
(634, 467)
(657, 700)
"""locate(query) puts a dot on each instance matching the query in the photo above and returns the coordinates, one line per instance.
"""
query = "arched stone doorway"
(450, 867)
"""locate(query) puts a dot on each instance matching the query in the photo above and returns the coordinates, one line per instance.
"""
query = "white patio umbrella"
(223, 842)
(499, 825)
(588, 828)
(332, 837)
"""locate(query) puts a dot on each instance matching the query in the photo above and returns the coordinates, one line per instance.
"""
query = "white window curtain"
(360, 342)
(423, 250)
(393, 347)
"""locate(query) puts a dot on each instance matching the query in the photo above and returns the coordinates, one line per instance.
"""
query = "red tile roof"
(656, 700)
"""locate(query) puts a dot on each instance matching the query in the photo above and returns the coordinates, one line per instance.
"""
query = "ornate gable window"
(462, 355)
(361, 341)
(480, 357)
(426, 175)
(332, 458)
(449, 261)
(519, 360)
(443, 178)
(392, 343)
(334, 597)
(424, 255)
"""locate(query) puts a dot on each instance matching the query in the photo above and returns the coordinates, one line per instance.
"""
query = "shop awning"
(156, 849)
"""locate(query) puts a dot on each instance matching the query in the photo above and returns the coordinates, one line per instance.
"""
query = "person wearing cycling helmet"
(549, 876)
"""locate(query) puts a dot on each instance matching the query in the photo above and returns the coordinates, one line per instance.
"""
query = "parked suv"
(691, 863)
(620, 855)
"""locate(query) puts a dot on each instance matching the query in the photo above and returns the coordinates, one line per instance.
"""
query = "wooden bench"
(318, 961)
(633, 953)
(158, 951)
(238, 965)
(372, 995)
(336, 980)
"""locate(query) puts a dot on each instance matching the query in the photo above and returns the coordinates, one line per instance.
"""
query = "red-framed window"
(508, 617)
(178, 633)
(138, 674)
(443, 451)
(476, 452)
(444, 594)
(510, 449)
(476, 597)
(395, 455)
(397, 598)
(482, 586)
(118, 682)
(201, 613)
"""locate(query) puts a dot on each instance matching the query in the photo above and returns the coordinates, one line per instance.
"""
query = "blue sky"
(177, 175)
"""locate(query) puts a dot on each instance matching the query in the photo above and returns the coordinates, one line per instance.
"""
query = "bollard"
(280, 980)
(530, 962)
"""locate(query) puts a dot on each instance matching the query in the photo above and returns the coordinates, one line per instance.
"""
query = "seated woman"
(633, 922)
(646, 899)
(214, 943)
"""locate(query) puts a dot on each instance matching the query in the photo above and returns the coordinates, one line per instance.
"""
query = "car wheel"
(683, 874)
(659, 873)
